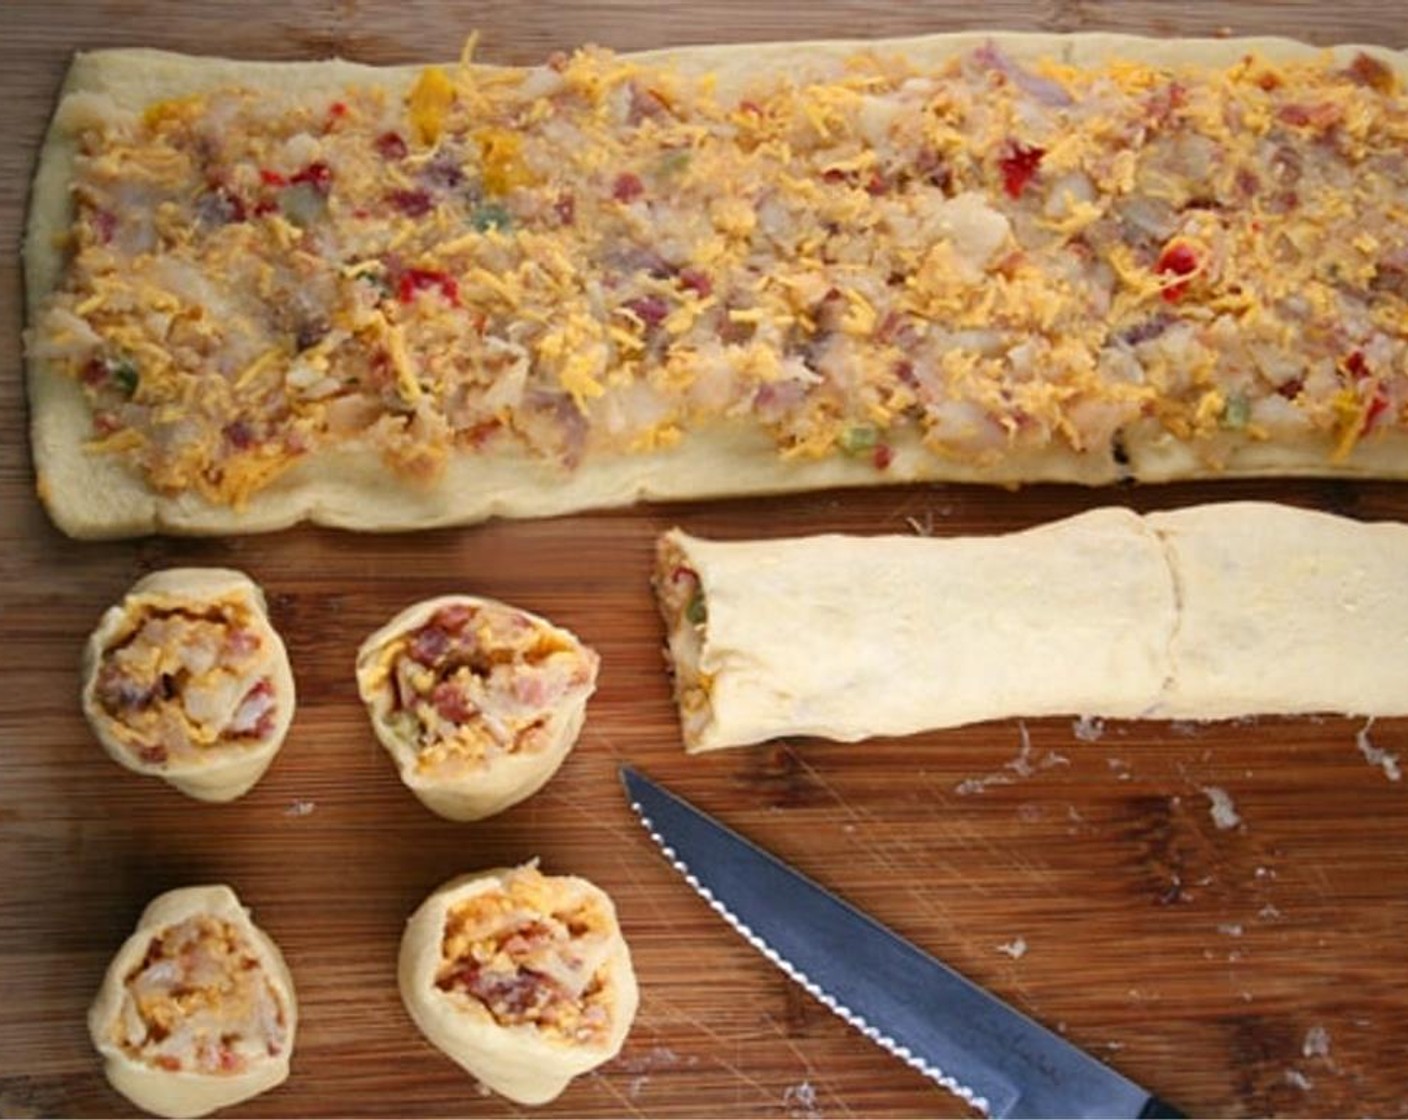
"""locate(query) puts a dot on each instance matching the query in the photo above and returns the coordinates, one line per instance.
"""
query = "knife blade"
(915, 1006)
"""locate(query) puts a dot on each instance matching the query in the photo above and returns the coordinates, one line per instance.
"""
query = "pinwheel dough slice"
(186, 680)
(522, 978)
(197, 1010)
(478, 702)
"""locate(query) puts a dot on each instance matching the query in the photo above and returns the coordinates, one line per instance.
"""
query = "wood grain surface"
(1246, 970)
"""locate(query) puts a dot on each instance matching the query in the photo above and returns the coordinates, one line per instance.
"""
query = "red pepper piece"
(415, 280)
(272, 178)
(95, 372)
(1378, 405)
(565, 208)
(1368, 71)
(1019, 167)
(1357, 366)
(1177, 259)
(318, 174)
(239, 434)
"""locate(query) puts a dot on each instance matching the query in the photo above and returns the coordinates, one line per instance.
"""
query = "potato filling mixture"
(474, 683)
(183, 680)
(684, 608)
(200, 1002)
(533, 953)
(597, 254)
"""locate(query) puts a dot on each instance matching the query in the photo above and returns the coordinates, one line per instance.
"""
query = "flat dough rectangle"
(1212, 612)
(346, 485)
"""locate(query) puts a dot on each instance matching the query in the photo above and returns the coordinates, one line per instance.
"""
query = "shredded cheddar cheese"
(179, 681)
(533, 954)
(200, 1003)
(475, 683)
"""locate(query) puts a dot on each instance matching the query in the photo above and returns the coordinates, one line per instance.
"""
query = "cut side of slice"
(522, 978)
(197, 1010)
(477, 702)
(187, 680)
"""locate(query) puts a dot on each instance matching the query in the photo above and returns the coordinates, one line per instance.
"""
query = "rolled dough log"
(1211, 612)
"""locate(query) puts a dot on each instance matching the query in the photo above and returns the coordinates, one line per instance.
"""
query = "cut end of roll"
(523, 979)
(682, 597)
(197, 1010)
(186, 680)
(477, 701)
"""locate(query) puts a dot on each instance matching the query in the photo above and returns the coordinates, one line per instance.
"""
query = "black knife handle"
(1155, 1109)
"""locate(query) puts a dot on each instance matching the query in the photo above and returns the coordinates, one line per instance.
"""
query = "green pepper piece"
(858, 439)
(491, 216)
(675, 161)
(123, 373)
(1236, 412)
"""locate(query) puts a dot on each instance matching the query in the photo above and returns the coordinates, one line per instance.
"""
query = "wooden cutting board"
(1081, 873)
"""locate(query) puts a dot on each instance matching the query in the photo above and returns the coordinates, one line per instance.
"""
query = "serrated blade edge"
(952, 1084)
(965, 1039)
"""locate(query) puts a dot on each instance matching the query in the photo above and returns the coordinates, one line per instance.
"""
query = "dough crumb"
(1316, 1044)
(1016, 948)
(1298, 1079)
(1088, 729)
(1230, 929)
(1025, 765)
(654, 1058)
(1377, 756)
(1224, 813)
(800, 1100)
(300, 808)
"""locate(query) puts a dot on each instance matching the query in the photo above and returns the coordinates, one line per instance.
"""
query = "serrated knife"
(969, 1041)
